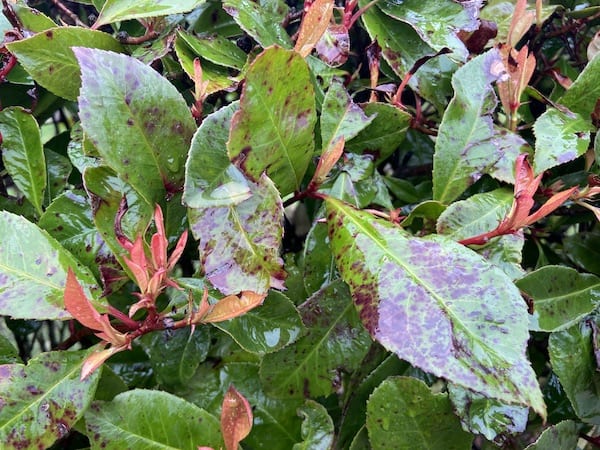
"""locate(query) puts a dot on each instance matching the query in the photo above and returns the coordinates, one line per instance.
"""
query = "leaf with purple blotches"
(436, 304)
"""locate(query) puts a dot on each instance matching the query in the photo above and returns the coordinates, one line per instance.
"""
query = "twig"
(69, 13)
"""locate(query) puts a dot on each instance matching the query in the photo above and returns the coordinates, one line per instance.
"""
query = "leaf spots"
(130, 122)
(49, 34)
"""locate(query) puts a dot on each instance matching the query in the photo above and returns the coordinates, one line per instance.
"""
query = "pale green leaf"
(317, 427)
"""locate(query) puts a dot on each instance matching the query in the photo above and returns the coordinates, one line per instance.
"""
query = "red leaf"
(79, 305)
(236, 418)
(314, 23)
(233, 306)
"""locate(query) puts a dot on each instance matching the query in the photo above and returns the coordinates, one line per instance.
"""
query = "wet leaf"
(278, 139)
(49, 59)
(216, 49)
(572, 358)
(468, 143)
(319, 264)
(562, 436)
(23, 155)
(561, 296)
(33, 271)
(334, 46)
(43, 400)
(261, 20)
(125, 104)
(582, 95)
(272, 326)
(487, 416)
(137, 420)
(403, 413)
(118, 10)
(335, 342)
(384, 134)
(211, 180)
(560, 138)
(415, 296)
(236, 418)
(239, 244)
(59, 168)
(340, 116)
(437, 23)
(314, 23)
(317, 427)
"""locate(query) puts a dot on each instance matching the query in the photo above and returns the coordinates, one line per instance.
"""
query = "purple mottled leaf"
(239, 243)
(334, 46)
(273, 130)
(436, 304)
(468, 143)
(33, 271)
(40, 402)
(137, 120)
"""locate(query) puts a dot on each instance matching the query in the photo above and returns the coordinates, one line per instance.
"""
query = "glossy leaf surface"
(582, 95)
(468, 143)
(137, 419)
(49, 58)
(402, 413)
(560, 138)
(572, 358)
(33, 270)
(417, 301)
(335, 341)
(43, 400)
(279, 139)
(261, 20)
(562, 436)
(561, 296)
(151, 117)
(236, 418)
(272, 326)
(216, 49)
(317, 427)
(23, 155)
(117, 10)
(239, 244)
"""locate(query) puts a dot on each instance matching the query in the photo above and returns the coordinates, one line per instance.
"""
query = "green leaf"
(583, 249)
(274, 129)
(415, 296)
(562, 436)
(126, 105)
(487, 416)
(210, 178)
(582, 95)
(176, 354)
(319, 264)
(49, 58)
(317, 427)
(403, 413)
(561, 296)
(268, 328)
(216, 49)
(33, 270)
(437, 23)
(560, 137)
(59, 169)
(572, 358)
(384, 134)
(119, 10)
(42, 401)
(239, 244)
(8, 352)
(32, 19)
(468, 144)
(261, 20)
(340, 116)
(335, 342)
(142, 419)
(23, 155)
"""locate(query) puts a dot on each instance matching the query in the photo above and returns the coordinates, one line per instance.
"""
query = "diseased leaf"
(23, 155)
(561, 296)
(32, 19)
(560, 138)
(317, 427)
(8, 352)
(33, 270)
(334, 46)
(403, 413)
(142, 419)
(581, 97)
(211, 180)
(43, 400)
(319, 264)
(239, 244)
(272, 326)
(562, 436)
(273, 129)
(335, 342)
(314, 23)
(468, 144)
(416, 297)
(137, 120)
(216, 49)
(236, 418)
(118, 10)
(48, 56)
(59, 168)
(572, 358)
(261, 20)
(487, 416)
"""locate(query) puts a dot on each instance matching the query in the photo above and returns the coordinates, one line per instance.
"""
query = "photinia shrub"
(287, 225)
